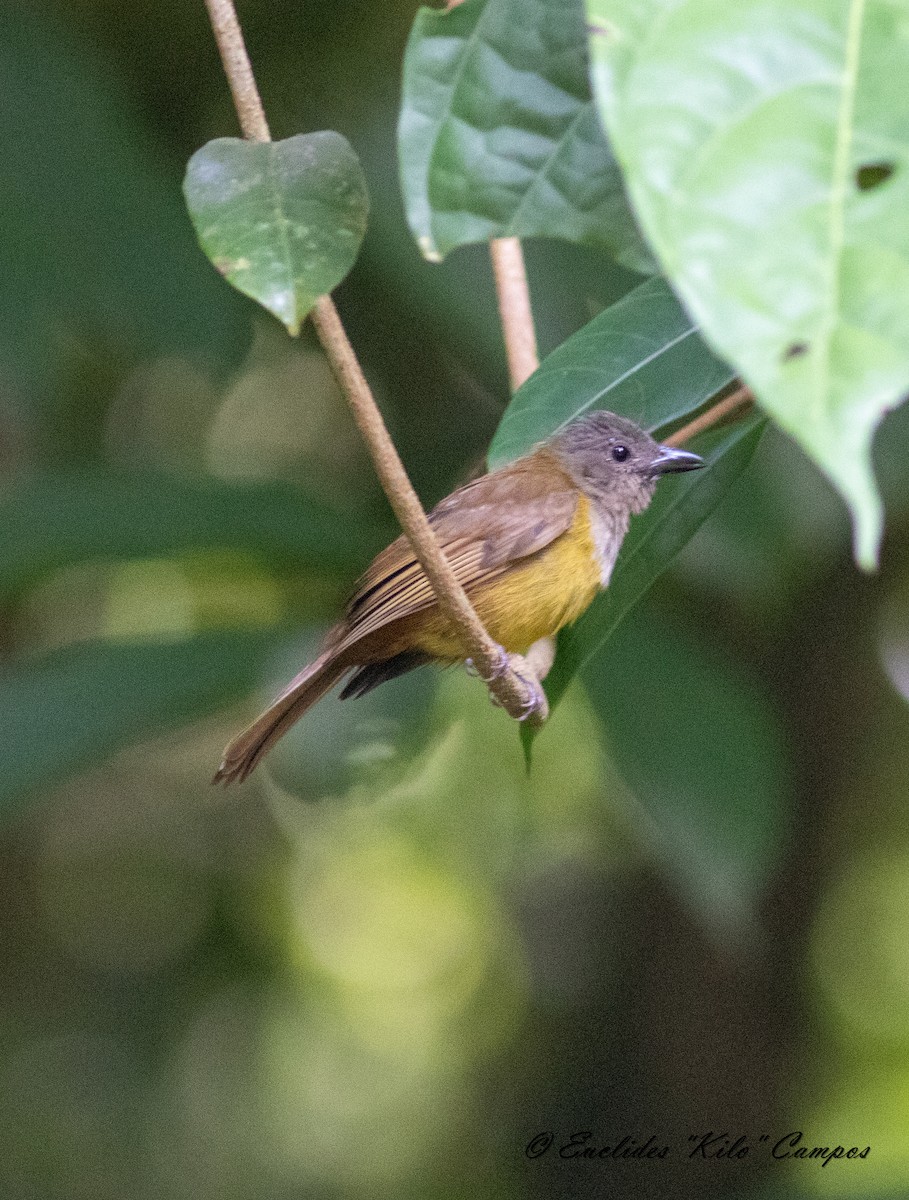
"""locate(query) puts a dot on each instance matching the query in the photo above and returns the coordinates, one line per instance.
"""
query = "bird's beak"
(669, 460)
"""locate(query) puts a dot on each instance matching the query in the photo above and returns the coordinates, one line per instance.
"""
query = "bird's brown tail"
(248, 747)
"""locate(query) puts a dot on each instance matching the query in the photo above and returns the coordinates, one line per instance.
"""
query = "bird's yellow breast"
(533, 600)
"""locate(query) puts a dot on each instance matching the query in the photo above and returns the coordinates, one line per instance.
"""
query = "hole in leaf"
(872, 175)
(603, 29)
(796, 350)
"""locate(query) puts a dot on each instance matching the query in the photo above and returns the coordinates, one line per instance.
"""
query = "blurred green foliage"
(396, 957)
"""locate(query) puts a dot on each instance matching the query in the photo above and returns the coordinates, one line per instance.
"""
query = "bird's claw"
(501, 666)
(535, 706)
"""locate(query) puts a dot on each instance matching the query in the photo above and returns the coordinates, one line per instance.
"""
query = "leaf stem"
(741, 398)
(511, 690)
(514, 309)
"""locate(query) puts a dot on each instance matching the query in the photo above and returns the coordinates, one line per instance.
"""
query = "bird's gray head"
(615, 463)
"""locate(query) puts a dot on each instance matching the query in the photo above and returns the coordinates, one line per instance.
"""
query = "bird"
(532, 543)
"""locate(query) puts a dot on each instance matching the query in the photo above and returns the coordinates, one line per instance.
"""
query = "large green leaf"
(702, 749)
(766, 149)
(679, 508)
(641, 357)
(498, 135)
(52, 519)
(282, 221)
(72, 708)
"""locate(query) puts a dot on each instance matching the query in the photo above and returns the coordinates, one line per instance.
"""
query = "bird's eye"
(620, 453)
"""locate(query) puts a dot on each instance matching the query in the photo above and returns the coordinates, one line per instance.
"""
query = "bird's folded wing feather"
(484, 528)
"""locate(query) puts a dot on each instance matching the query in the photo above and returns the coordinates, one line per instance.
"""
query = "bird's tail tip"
(247, 749)
(228, 773)
(223, 776)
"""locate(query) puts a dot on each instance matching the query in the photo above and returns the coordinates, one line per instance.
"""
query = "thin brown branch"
(514, 309)
(508, 688)
(739, 399)
(512, 691)
(238, 69)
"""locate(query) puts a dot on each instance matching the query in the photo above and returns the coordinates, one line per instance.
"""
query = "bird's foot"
(535, 706)
(499, 668)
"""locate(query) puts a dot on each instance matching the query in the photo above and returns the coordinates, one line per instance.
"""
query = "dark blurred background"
(391, 960)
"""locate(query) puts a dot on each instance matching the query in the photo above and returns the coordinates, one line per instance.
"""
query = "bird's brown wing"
(483, 528)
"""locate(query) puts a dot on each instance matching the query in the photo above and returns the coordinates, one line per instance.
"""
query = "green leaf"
(679, 508)
(71, 708)
(53, 519)
(641, 357)
(702, 749)
(766, 150)
(282, 221)
(498, 135)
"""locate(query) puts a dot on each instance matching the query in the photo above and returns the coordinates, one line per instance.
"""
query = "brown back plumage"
(484, 530)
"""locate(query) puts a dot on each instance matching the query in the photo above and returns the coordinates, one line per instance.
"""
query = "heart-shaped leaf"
(641, 357)
(498, 135)
(282, 221)
(765, 145)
